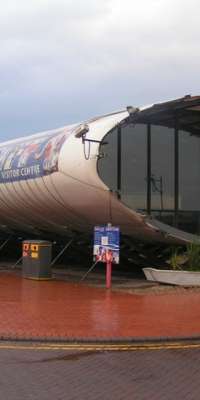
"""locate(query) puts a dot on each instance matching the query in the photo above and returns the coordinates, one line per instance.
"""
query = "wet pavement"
(61, 310)
(47, 374)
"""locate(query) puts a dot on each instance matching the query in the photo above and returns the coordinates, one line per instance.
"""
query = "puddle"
(71, 357)
(67, 357)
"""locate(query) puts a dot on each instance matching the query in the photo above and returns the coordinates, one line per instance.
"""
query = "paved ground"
(74, 374)
(62, 310)
(96, 371)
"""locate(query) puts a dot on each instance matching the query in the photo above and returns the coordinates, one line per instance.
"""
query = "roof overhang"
(183, 113)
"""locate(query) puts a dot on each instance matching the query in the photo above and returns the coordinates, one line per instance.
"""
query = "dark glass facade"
(133, 166)
(162, 174)
(108, 165)
(189, 182)
(155, 169)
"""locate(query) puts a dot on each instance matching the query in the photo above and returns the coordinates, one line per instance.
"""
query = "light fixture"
(132, 110)
(81, 130)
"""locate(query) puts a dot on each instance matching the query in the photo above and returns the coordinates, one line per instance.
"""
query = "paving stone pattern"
(72, 375)
(62, 310)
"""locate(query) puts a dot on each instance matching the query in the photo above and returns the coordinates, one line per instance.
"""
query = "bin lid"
(39, 242)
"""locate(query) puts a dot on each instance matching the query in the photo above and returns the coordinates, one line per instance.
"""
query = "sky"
(63, 61)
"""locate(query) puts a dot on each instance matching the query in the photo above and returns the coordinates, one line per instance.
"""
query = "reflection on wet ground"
(66, 357)
(62, 310)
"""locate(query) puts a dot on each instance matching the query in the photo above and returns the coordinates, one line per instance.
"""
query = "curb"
(106, 341)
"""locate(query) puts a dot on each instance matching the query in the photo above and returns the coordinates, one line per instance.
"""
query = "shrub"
(176, 259)
(193, 254)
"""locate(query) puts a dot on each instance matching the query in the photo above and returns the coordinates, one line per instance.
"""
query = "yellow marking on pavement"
(100, 347)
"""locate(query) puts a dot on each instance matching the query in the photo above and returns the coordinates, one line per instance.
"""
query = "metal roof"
(184, 111)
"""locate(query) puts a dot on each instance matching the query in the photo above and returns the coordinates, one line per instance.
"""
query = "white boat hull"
(182, 278)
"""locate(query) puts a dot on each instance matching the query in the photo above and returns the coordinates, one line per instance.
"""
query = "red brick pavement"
(57, 309)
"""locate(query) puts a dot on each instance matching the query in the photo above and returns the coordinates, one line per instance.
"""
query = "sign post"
(108, 274)
(106, 248)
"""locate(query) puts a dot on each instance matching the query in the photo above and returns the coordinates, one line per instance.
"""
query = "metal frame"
(149, 169)
(119, 161)
(176, 171)
(61, 252)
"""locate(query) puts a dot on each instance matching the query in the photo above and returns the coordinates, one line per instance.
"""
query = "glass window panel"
(133, 164)
(162, 168)
(162, 174)
(134, 167)
(189, 171)
(107, 165)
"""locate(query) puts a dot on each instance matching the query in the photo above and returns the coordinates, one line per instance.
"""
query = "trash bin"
(37, 259)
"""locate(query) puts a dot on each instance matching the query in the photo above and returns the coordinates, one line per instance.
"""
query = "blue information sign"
(106, 243)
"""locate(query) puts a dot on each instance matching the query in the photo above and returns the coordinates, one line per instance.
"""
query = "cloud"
(64, 60)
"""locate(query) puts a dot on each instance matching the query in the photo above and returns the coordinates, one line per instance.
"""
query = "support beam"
(5, 242)
(119, 161)
(89, 270)
(17, 262)
(149, 169)
(61, 252)
(176, 172)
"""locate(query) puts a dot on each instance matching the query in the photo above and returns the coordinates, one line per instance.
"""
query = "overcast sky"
(62, 61)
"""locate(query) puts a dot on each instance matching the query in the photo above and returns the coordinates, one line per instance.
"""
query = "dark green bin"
(37, 259)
